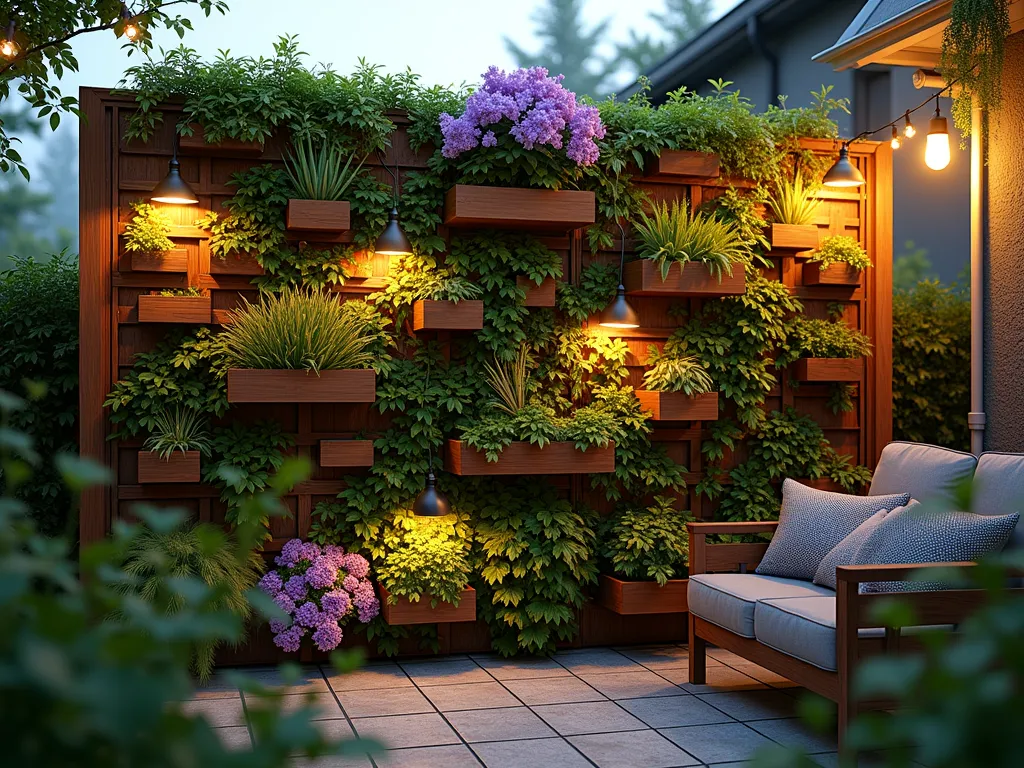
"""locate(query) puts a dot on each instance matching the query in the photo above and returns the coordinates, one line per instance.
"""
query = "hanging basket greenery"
(972, 55)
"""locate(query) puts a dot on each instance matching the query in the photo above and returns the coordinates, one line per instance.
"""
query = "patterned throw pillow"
(922, 534)
(844, 552)
(812, 522)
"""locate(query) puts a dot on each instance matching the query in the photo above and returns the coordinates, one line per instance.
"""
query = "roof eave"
(875, 44)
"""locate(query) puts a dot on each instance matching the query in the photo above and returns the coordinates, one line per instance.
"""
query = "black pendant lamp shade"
(619, 314)
(843, 173)
(174, 189)
(392, 241)
(431, 502)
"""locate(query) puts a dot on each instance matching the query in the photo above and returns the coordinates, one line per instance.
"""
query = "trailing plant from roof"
(186, 370)
(841, 249)
(148, 230)
(670, 236)
(684, 374)
(430, 563)
(646, 543)
(807, 337)
(320, 170)
(299, 330)
(197, 551)
(792, 202)
(179, 429)
(973, 48)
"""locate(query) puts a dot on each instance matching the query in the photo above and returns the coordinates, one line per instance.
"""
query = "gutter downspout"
(758, 44)
(976, 417)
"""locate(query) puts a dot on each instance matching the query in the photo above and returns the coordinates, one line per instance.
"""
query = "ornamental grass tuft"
(670, 235)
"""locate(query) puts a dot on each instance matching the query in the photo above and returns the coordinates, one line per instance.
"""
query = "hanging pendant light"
(619, 314)
(431, 502)
(843, 173)
(174, 189)
(936, 151)
(392, 241)
(131, 29)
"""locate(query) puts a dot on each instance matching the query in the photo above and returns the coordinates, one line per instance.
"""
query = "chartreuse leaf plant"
(671, 235)
(793, 202)
(148, 231)
(646, 543)
(841, 249)
(668, 373)
(429, 561)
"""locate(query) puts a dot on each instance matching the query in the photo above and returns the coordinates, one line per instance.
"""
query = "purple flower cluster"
(540, 109)
(319, 589)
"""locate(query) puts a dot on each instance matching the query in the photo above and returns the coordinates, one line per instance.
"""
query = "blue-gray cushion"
(999, 489)
(925, 533)
(844, 552)
(811, 523)
(728, 599)
(805, 628)
(926, 472)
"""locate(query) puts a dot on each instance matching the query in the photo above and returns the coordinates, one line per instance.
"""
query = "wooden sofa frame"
(853, 612)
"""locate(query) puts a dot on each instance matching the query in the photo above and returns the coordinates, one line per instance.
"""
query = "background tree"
(680, 21)
(568, 48)
(42, 50)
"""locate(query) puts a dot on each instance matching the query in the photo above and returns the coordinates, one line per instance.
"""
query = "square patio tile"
(217, 712)
(454, 756)
(387, 675)
(726, 657)
(658, 657)
(217, 687)
(721, 679)
(533, 753)
(446, 672)
(310, 679)
(449, 698)
(588, 717)
(794, 733)
(673, 711)
(514, 723)
(234, 737)
(595, 661)
(324, 704)
(730, 742)
(386, 701)
(521, 669)
(631, 685)
(335, 729)
(679, 675)
(397, 731)
(764, 675)
(627, 750)
(331, 761)
(555, 690)
(753, 705)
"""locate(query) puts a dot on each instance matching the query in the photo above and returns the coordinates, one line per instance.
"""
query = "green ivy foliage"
(808, 337)
(651, 543)
(243, 460)
(39, 359)
(931, 360)
(841, 249)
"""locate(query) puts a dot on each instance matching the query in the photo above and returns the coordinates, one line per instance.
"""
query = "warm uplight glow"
(8, 48)
(619, 325)
(175, 200)
(936, 153)
(895, 141)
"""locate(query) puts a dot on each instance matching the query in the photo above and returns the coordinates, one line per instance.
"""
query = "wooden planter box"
(522, 458)
(318, 216)
(672, 164)
(678, 406)
(512, 208)
(812, 369)
(242, 264)
(174, 309)
(179, 468)
(834, 274)
(643, 278)
(175, 260)
(407, 612)
(196, 144)
(794, 237)
(542, 295)
(630, 598)
(346, 453)
(448, 315)
(351, 385)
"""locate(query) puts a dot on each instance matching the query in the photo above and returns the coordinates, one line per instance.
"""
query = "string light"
(908, 129)
(936, 152)
(8, 48)
(131, 29)
(895, 141)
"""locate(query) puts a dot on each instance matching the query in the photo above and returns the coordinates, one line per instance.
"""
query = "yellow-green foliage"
(428, 561)
(647, 543)
(841, 249)
(820, 338)
(670, 235)
(148, 230)
(792, 202)
(671, 373)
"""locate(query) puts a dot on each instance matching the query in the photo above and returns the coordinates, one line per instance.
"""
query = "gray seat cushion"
(728, 599)
(926, 472)
(999, 489)
(926, 533)
(812, 522)
(845, 551)
(805, 628)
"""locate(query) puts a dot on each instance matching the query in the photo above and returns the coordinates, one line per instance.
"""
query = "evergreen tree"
(567, 48)
(680, 21)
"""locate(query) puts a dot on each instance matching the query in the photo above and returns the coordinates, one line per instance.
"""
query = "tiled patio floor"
(610, 708)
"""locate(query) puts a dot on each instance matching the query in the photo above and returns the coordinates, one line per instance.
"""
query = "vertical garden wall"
(782, 408)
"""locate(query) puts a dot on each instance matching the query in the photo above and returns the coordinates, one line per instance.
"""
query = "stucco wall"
(1004, 263)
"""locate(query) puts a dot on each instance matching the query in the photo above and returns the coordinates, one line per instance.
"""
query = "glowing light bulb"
(895, 141)
(9, 48)
(936, 152)
(131, 32)
(908, 129)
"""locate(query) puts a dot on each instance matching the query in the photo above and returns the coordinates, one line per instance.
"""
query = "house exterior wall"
(1004, 257)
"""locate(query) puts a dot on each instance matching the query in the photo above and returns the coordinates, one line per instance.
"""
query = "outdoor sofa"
(811, 634)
